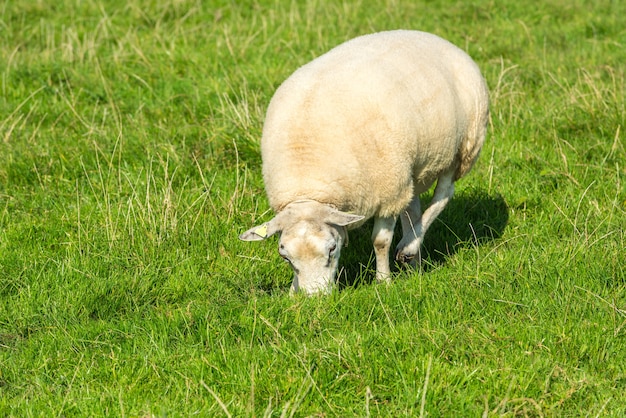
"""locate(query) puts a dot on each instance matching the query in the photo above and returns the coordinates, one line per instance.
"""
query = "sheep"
(360, 132)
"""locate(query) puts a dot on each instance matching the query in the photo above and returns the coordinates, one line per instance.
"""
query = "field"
(129, 164)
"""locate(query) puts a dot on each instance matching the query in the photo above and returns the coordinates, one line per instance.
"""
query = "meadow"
(129, 164)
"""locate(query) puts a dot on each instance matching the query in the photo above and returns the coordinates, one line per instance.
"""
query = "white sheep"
(361, 132)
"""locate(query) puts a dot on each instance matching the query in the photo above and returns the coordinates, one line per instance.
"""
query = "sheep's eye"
(332, 250)
(283, 254)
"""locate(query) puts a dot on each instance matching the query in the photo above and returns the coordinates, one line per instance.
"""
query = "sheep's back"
(360, 126)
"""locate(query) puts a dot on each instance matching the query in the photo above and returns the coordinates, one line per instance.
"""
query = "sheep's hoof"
(410, 259)
(404, 257)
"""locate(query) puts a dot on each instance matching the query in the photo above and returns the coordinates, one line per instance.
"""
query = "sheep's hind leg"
(408, 249)
(415, 224)
(382, 235)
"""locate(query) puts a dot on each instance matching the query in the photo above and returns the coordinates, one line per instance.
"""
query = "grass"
(129, 163)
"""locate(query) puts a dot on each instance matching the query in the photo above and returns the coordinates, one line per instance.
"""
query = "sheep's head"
(311, 238)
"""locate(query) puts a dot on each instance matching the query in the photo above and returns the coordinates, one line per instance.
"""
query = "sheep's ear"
(339, 218)
(260, 232)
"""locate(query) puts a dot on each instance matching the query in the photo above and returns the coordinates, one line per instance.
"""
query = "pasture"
(129, 164)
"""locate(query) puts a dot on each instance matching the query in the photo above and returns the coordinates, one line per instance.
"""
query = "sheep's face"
(312, 250)
(311, 237)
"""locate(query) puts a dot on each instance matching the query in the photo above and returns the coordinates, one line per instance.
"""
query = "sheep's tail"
(473, 143)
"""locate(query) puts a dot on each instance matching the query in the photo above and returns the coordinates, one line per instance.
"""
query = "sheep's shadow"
(473, 218)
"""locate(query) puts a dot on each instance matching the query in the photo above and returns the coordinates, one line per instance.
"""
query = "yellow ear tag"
(261, 231)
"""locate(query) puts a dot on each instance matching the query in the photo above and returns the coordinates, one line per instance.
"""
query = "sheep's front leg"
(382, 235)
(415, 224)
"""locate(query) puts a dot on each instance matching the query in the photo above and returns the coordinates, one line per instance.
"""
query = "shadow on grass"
(471, 218)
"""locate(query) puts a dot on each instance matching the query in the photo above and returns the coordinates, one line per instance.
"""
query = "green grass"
(129, 163)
